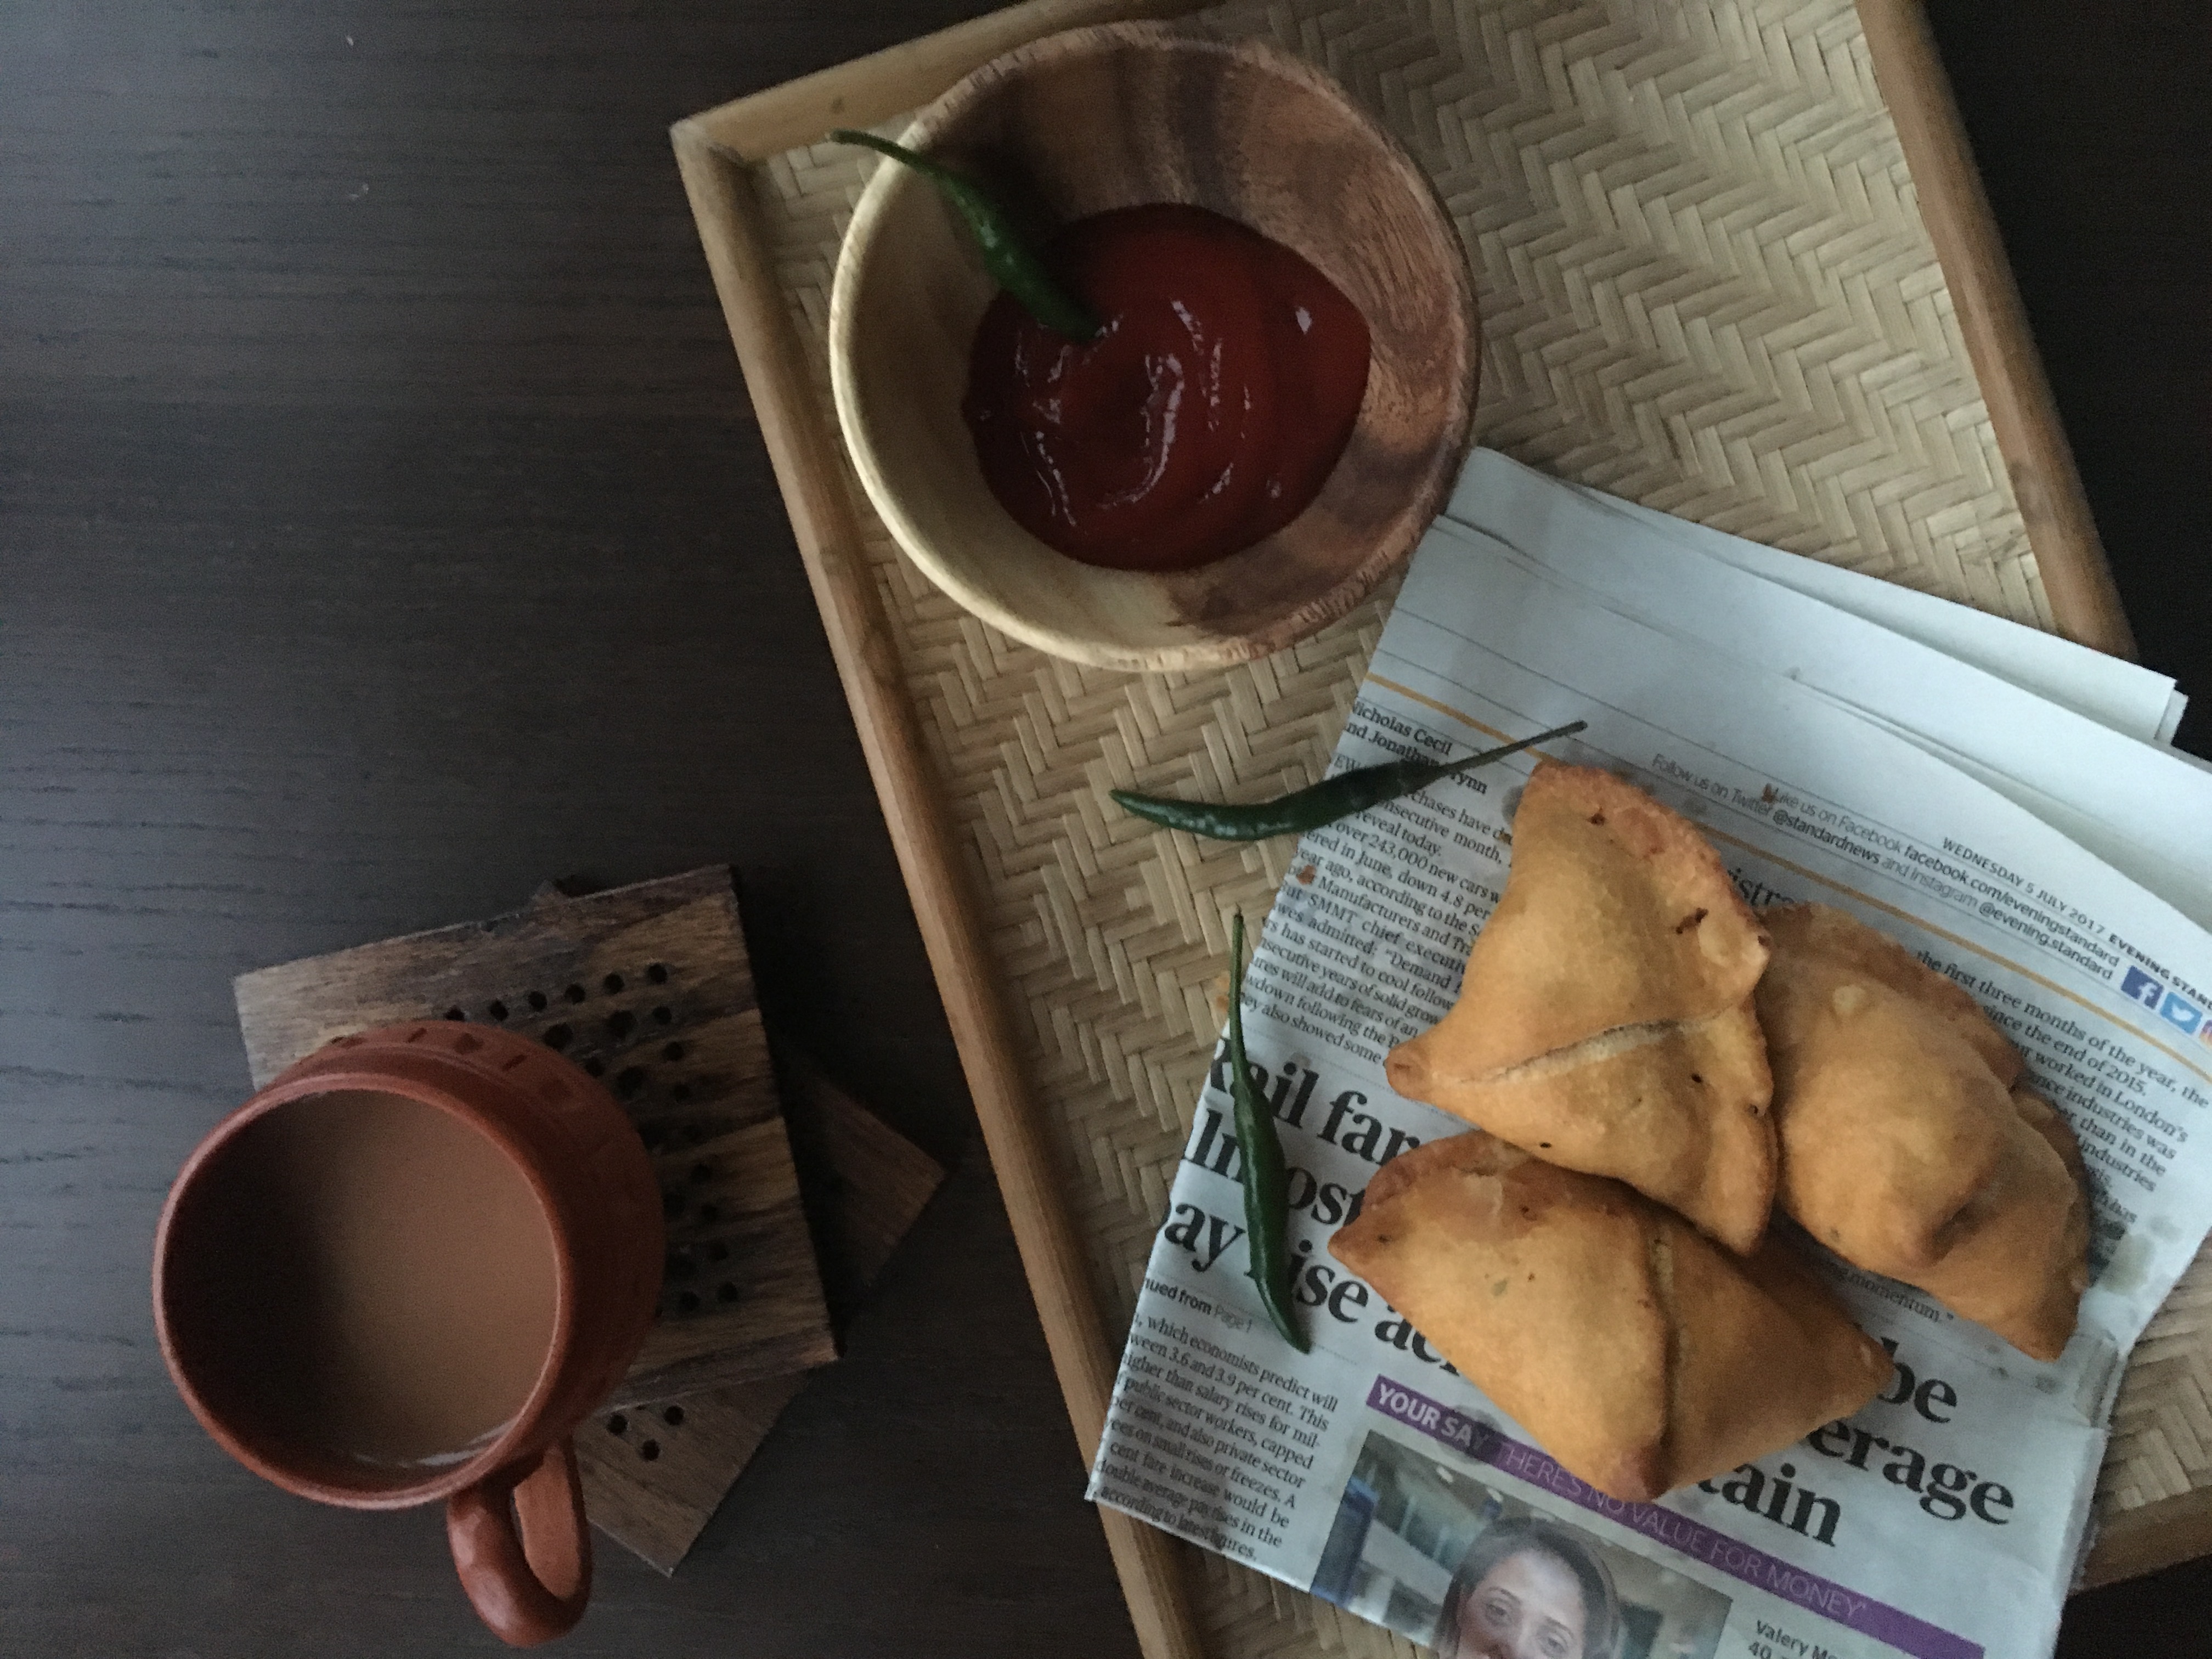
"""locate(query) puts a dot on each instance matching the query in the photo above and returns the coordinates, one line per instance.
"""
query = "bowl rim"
(1276, 631)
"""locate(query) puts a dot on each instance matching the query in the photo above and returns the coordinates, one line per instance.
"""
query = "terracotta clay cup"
(513, 1505)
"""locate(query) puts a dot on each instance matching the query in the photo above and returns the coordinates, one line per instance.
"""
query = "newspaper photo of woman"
(1420, 1544)
(1529, 1589)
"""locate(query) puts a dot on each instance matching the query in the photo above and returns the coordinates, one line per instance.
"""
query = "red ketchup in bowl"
(1204, 418)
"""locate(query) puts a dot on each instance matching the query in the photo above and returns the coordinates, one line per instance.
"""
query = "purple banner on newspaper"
(1473, 1437)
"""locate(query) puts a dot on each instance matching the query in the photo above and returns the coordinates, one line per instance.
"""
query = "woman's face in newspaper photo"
(1528, 1606)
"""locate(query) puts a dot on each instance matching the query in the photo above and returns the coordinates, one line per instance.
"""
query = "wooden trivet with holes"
(655, 1473)
(649, 988)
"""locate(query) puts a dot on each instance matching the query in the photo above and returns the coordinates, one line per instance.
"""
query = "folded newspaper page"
(1945, 1520)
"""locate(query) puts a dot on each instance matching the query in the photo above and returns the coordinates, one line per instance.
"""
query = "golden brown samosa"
(1606, 1022)
(1641, 1355)
(1906, 1147)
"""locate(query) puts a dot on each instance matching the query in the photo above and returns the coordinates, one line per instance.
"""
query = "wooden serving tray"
(1733, 261)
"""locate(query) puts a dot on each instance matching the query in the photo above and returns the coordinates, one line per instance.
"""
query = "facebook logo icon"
(2143, 988)
(2187, 1015)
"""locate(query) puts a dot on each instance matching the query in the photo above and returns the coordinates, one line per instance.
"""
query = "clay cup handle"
(527, 1569)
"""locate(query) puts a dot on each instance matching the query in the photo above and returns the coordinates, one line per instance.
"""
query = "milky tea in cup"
(391, 1279)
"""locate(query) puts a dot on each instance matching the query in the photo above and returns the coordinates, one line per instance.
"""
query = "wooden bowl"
(1096, 119)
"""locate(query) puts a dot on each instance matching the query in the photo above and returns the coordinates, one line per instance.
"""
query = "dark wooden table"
(382, 529)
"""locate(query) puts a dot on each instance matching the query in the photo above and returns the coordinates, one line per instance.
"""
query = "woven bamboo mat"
(1704, 285)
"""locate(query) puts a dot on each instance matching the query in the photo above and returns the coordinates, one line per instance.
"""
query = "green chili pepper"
(1012, 263)
(1322, 802)
(1266, 1182)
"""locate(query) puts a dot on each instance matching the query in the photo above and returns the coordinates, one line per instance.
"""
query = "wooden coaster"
(655, 1474)
(649, 988)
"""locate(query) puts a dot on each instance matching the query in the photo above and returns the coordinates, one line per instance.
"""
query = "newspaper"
(2008, 812)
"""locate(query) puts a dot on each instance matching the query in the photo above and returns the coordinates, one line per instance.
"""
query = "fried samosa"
(1907, 1146)
(1642, 1355)
(1605, 1022)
